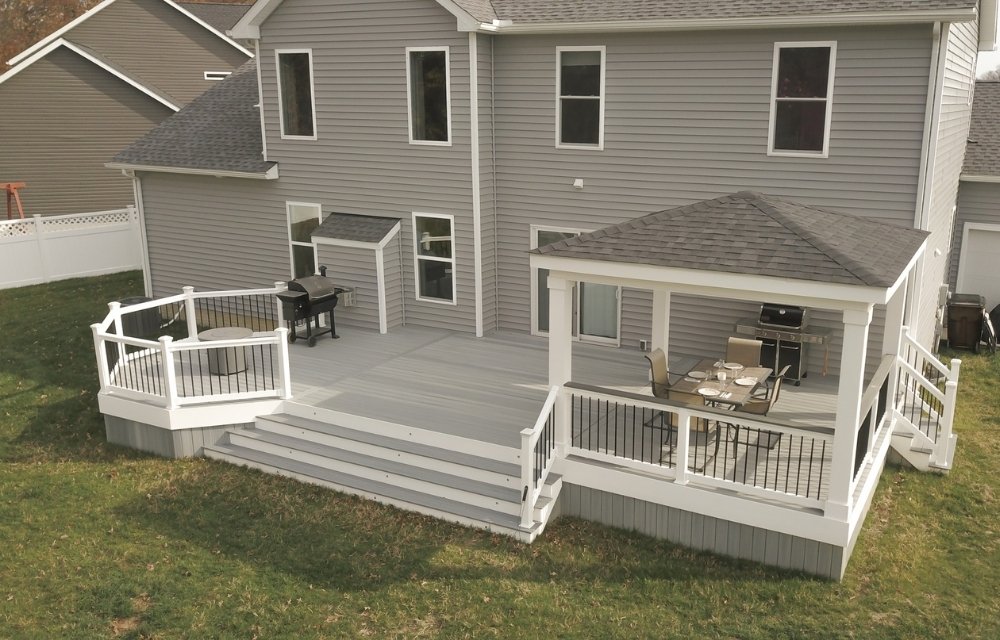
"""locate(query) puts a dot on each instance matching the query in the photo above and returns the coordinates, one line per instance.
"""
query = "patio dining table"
(730, 393)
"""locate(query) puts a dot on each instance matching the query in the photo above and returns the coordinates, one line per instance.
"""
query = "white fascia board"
(706, 24)
(52, 46)
(988, 25)
(735, 286)
(270, 174)
(978, 178)
(340, 242)
(389, 236)
(249, 25)
(104, 5)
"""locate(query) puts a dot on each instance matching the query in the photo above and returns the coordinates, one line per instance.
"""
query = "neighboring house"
(975, 255)
(447, 159)
(74, 98)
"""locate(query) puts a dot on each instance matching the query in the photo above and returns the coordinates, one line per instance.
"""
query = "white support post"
(845, 437)
(942, 454)
(116, 309)
(661, 321)
(683, 446)
(527, 471)
(190, 312)
(103, 374)
(892, 336)
(286, 367)
(169, 375)
(561, 354)
(280, 314)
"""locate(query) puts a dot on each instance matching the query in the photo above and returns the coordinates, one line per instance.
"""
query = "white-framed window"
(296, 94)
(802, 98)
(428, 95)
(542, 236)
(434, 257)
(217, 75)
(580, 97)
(303, 218)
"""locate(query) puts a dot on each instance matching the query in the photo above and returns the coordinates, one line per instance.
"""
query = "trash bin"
(140, 324)
(965, 320)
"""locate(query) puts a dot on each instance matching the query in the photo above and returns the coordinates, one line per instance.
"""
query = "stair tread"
(478, 487)
(410, 496)
(425, 450)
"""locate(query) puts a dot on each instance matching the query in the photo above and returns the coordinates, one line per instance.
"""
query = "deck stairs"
(916, 448)
(448, 477)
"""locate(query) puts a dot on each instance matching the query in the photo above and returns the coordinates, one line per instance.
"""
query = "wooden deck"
(486, 389)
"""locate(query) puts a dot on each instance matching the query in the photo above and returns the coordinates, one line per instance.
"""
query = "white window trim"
(600, 131)
(532, 245)
(299, 243)
(825, 153)
(217, 75)
(417, 258)
(409, 98)
(312, 94)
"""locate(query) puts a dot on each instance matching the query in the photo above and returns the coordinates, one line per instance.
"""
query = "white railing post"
(190, 312)
(169, 375)
(683, 446)
(103, 374)
(279, 311)
(285, 366)
(527, 468)
(942, 448)
(116, 311)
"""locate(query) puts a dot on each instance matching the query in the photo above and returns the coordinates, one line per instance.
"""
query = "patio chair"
(696, 425)
(660, 378)
(760, 406)
(744, 351)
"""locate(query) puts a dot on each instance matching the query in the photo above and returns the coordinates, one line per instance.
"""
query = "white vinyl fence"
(43, 249)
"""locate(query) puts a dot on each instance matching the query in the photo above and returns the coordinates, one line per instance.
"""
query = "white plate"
(746, 382)
(733, 366)
(697, 375)
(709, 392)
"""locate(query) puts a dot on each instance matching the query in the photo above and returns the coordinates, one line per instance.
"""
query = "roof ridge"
(766, 205)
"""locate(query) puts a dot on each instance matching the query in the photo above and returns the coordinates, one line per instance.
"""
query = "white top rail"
(128, 340)
(928, 356)
(543, 415)
(234, 293)
(223, 344)
(871, 393)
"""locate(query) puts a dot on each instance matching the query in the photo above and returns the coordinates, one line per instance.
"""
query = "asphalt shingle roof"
(982, 154)
(356, 228)
(535, 12)
(217, 131)
(755, 234)
(221, 16)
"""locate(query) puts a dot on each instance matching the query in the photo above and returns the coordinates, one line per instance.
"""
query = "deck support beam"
(561, 354)
(845, 437)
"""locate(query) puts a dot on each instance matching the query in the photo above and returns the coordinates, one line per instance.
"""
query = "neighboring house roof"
(354, 228)
(218, 133)
(221, 16)
(101, 61)
(59, 33)
(754, 234)
(982, 154)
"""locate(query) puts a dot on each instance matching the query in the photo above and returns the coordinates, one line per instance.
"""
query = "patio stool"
(227, 360)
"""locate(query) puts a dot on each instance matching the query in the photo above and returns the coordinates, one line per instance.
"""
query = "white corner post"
(561, 353)
(116, 310)
(845, 437)
(190, 312)
(102, 358)
(892, 337)
(661, 321)
(285, 365)
(278, 310)
(169, 375)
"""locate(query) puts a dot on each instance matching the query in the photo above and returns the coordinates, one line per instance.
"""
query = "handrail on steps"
(537, 462)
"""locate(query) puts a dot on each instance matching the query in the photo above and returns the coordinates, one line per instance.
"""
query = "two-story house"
(449, 161)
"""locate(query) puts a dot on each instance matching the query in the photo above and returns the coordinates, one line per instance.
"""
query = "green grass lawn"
(98, 541)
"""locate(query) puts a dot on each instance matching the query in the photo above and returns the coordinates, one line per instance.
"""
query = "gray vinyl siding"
(159, 45)
(362, 161)
(487, 186)
(977, 202)
(353, 267)
(704, 533)
(394, 304)
(686, 118)
(953, 131)
(61, 119)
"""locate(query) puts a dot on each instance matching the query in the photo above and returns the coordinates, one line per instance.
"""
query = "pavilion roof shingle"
(755, 234)
(355, 228)
(567, 11)
(982, 154)
(217, 131)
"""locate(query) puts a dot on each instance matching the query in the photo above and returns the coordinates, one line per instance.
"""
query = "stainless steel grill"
(785, 336)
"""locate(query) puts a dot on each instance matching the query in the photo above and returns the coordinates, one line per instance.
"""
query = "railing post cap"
(114, 304)
(166, 339)
(187, 289)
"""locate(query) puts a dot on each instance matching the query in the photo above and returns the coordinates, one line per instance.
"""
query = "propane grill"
(785, 337)
(305, 301)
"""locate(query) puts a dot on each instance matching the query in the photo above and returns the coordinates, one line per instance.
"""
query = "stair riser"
(395, 455)
(430, 488)
(449, 517)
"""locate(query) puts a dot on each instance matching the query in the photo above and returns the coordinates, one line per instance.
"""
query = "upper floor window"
(428, 95)
(580, 88)
(434, 257)
(297, 108)
(801, 98)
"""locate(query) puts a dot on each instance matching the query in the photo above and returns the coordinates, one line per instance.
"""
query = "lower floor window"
(303, 218)
(434, 257)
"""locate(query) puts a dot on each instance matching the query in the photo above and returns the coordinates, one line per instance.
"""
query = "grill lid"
(784, 317)
(316, 287)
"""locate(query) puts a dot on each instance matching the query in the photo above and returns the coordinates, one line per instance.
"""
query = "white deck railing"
(178, 370)
(926, 394)
(538, 446)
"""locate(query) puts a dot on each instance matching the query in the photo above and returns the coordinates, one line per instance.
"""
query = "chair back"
(776, 389)
(688, 398)
(744, 351)
(659, 376)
